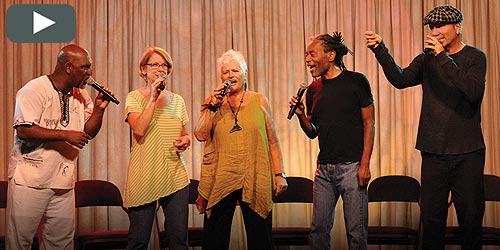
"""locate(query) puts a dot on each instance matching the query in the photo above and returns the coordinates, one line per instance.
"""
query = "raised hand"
(372, 39)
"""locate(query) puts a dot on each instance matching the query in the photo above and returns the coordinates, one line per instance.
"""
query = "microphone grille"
(90, 81)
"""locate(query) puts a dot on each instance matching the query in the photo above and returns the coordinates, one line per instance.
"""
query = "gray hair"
(231, 55)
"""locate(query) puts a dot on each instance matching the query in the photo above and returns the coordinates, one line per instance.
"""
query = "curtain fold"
(272, 35)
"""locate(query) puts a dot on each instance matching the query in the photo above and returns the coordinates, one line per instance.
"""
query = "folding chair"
(490, 235)
(300, 190)
(3, 204)
(394, 188)
(91, 193)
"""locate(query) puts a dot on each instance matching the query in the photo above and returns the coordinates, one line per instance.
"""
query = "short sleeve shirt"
(48, 164)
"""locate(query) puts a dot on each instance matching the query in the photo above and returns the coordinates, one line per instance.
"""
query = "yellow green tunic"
(155, 169)
(238, 160)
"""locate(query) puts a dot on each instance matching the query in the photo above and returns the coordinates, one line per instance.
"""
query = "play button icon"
(41, 23)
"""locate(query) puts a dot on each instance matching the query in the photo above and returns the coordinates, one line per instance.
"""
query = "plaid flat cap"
(443, 14)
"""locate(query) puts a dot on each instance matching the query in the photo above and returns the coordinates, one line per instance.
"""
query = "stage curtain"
(272, 35)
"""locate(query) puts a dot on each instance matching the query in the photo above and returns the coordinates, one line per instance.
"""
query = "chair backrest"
(300, 189)
(3, 193)
(394, 188)
(97, 193)
(491, 187)
(193, 191)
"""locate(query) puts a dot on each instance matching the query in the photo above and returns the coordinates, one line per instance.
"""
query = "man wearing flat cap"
(452, 75)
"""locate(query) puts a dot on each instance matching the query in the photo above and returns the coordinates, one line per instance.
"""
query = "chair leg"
(75, 243)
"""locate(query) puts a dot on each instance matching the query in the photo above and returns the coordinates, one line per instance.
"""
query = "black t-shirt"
(335, 106)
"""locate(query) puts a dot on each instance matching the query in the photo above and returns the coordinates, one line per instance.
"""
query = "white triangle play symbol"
(40, 22)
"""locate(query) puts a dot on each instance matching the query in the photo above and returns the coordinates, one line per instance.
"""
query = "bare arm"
(203, 127)
(76, 138)
(93, 124)
(36, 133)
(182, 142)
(305, 121)
(139, 122)
(274, 147)
(368, 116)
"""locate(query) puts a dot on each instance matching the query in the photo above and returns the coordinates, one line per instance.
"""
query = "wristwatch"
(280, 174)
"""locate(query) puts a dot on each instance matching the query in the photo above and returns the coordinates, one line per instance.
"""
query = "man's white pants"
(25, 208)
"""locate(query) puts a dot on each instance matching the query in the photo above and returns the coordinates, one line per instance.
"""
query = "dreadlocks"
(335, 43)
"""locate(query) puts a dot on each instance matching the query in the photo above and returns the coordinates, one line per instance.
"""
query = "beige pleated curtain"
(272, 34)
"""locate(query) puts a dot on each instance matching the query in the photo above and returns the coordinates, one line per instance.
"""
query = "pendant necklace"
(236, 127)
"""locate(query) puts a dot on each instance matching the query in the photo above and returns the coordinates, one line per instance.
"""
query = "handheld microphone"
(226, 87)
(90, 81)
(300, 92)
(429, 51)
(162, 84)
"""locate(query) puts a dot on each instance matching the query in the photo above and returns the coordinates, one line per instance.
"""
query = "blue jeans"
(330, 182)
(175, 209)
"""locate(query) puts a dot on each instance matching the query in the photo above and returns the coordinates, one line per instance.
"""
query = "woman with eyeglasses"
(157, 171)
(242, 161)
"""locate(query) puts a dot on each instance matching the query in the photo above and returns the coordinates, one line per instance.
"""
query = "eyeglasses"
(157, 65)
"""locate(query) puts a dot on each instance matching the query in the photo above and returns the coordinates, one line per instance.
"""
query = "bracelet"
(281, 174)
(212, 108)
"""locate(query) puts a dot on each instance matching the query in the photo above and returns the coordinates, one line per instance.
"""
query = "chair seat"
(490, 236)
(392, 235)
(102, 239)
(195, 237)
(452, 236)
(286, 236)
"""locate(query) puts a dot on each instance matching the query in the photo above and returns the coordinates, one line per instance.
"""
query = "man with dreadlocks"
(452, 75)
(340, 112)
